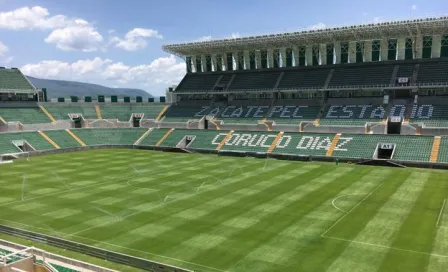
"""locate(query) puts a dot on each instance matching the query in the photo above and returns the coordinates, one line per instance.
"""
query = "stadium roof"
(394, 29)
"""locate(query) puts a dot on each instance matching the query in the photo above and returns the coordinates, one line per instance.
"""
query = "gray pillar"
(309, 55)
(351, 52)
(224, 62)
(401, 46)
(246, 60)
(367, 51)
(295, 53)
(323, 53)
(258, 59)
(337, 52)
(235, 60)
(193, 64)
(203, 64)
(214, 63)
(270, 58)
(418, 47)
(384, 49)
(283, 57)
(436, 46)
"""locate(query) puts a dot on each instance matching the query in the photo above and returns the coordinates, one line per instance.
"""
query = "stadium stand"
(304, 78)
(13, 79)
(431, 115)
(443, 152)
(105, 136)
(32, 138)
(154, 136)
(195, 82)
(289, 111)
(25, 115)
(123, 112)
(183, 112)
(61, 111)
(361, 75)
(408, 148)
(304, 144)
(62, 138)
(433, 71)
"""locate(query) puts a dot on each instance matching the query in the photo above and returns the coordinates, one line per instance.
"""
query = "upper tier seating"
(433, 72)
(109, 136)
(406, 70)
(183, 113)
(352, 75)
(254, 80)
(408, 148)
(304, 78)
(13, 79)
(32, 137)
(24, 115)
(123, 112)
(61, 112)
(199, 82)
(293, 111)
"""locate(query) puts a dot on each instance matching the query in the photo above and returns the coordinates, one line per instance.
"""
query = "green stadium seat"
(62, 138)
(24, 115)
(13, 79)
(109, 136)
(32, 137)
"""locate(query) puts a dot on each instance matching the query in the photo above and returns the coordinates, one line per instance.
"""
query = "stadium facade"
(370, 93)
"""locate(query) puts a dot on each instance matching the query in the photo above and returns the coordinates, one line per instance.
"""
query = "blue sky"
(118, 43)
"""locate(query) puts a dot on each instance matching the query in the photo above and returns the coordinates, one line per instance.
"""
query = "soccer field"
(211, 213)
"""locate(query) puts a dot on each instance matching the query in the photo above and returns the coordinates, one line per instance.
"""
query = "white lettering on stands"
(378, 112)
(244, 139)
(401, 110)
(346, 109)
(331, 110)
(215, 140)
(201, 112)
(251, 108)
(284, 141)
(342, 141)
(265, 139)
(363, 110)
(309, 141)
(214, 111)
(237, 112)
(224, 113)
(294, 115)
(286, 113)
(254, 140)
(276, 109)
(261, 111)
(429, 111)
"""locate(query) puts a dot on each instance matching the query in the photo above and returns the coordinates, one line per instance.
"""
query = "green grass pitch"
(211, 213)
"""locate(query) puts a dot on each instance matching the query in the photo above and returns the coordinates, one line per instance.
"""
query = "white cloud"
(3, 49)
(204, 39)
(317, 26)
(414, 7)
(68, 34)
(161, 71)
(136, 39)
(80, 37)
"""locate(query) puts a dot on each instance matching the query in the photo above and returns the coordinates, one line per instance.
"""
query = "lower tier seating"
(112, 136)
(61, 112)
(408, 148)
(358, 146)
(33, 138)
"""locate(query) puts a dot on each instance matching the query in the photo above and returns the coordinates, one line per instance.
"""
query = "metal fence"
(107, 255)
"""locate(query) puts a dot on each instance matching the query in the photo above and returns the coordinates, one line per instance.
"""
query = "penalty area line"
(117, 246)
(352, 209)
(386, 247)
(441, 212)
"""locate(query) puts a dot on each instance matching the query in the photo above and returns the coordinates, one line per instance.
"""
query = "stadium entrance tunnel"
(384, 151)
(136, 118)
(24, 146)
(186, 141)
(394, 125)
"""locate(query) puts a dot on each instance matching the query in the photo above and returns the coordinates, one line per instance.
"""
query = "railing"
(321, 88)
(90, 250)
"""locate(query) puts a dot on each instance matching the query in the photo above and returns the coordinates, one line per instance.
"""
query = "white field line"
(387, 247)
(118, 246)
(334, 200)
(440, 213)
(354, 207)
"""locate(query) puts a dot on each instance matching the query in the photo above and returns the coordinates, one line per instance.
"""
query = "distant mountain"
(63, 88)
